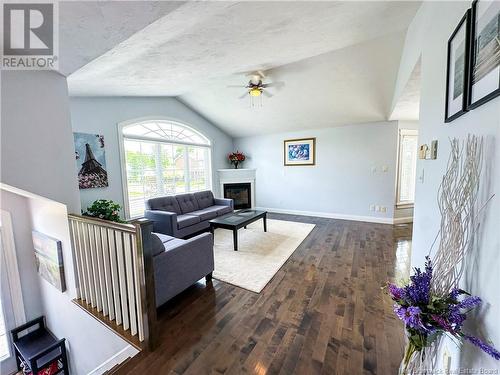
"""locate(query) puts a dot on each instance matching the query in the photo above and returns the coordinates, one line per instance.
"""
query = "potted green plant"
(104, 209)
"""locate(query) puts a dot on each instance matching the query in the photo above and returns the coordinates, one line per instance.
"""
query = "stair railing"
(115, 274)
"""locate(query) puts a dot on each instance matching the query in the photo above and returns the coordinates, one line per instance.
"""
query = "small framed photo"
(457, 77)
(300, 151)
(484, 72)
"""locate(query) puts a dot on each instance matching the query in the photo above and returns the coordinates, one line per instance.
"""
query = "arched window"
(162, 158)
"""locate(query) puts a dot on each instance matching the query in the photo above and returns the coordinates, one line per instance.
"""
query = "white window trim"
(402, 133)
(121, 144)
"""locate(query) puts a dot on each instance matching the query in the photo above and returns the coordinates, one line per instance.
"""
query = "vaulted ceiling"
(337, 61)
(88, 29)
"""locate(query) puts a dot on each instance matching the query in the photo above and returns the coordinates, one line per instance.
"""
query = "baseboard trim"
(403, 220)
(128, 352)
(368, 219)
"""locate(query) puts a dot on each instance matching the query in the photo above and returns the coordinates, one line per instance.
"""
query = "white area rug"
(260, 254)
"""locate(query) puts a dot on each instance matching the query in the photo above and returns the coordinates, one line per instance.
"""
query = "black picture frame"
(472, 63)
(464, 22)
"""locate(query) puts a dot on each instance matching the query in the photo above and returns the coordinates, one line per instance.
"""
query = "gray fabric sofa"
(185, 214)
(178, 263)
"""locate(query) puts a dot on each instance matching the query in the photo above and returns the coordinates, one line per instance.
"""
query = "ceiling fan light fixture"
(255, 91)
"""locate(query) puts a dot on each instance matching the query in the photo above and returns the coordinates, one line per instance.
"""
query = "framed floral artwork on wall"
(300, 151)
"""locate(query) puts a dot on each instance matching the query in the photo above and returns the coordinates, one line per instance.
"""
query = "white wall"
(90, 343)
(100, 115)
(341, 184)
(37, 153)
(434, 24)
(405, 124)
(18, 206)
(37, 156)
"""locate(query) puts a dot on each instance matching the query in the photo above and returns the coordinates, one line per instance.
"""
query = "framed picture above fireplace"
(299, 151)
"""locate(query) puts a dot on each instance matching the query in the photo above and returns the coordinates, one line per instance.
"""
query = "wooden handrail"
(124, 227)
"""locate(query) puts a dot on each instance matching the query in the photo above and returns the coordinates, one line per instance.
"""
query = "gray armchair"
(178, 263)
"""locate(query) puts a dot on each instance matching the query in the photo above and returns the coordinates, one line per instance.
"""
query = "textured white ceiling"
(351, 85)
(87, 29)
(337, 60)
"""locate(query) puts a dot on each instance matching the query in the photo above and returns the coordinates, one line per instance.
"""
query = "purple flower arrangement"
(427, 315)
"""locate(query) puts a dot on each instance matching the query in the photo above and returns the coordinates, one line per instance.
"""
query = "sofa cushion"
(174, 243)
(184, 221)
(162, 242)
(163, 237)
(222, 210)
(156, 245)
(205, 214)
(169, 204)
(187, 203)
(158, 242)
(204, 198)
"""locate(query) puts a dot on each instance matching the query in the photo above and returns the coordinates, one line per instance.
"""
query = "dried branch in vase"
(432, 305)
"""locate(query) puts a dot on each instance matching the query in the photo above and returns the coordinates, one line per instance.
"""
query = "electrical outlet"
(372, 207)
(383, 209)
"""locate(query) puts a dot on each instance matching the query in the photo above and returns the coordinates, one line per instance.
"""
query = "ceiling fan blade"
(243, 96)
(273, 84)
(265, 93)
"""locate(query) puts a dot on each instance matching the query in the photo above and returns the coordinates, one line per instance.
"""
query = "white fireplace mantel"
(234, 176)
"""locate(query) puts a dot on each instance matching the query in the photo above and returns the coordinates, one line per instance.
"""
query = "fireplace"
(240, 193)
(239, 185)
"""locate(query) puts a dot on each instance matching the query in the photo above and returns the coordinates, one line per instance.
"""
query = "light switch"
(434, 146)
(385, 168)
(374, 169)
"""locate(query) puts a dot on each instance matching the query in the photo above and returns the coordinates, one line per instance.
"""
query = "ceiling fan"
(256, 87)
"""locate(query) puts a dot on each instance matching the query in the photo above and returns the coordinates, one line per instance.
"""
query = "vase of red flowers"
(235, 158)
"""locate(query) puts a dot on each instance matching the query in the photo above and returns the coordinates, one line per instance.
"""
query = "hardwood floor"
(323, 313)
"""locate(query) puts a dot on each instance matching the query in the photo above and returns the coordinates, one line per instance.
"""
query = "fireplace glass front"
(240, 193)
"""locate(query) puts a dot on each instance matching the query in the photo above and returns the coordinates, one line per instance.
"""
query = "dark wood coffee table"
(237, 220)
